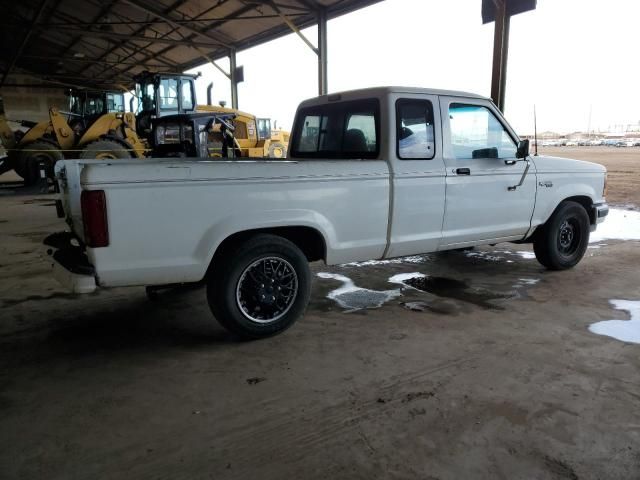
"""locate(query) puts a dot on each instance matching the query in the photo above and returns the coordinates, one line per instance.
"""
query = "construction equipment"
(96, 127)
(254, 135)
(194, 135)
(162, 94)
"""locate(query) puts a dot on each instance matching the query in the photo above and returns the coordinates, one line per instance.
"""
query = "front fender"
(563, 187)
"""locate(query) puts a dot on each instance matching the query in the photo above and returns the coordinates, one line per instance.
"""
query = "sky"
(575, 60)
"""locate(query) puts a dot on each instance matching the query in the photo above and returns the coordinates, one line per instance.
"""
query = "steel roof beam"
(220, 39)
(138, 31)
(130, 37)
(24, 41)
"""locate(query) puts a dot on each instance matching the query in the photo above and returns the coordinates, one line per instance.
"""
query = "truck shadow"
(111, 326)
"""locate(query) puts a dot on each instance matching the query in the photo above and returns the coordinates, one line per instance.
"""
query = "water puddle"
(451, 288)
(352, 298)
(618, 225)
(393, 261)
(500, 255)
(623, 330)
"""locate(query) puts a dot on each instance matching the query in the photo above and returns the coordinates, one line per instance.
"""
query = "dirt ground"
(623, 169)
(493, 374)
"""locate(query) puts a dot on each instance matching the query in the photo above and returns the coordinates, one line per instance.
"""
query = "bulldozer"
(96, 126)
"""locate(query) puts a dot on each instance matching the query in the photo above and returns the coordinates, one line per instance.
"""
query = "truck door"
(482, 170)
(418, 175)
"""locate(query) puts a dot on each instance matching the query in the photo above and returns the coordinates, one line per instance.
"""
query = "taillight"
(94, 218)
(604, 189)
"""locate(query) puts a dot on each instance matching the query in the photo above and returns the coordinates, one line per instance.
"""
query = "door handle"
(463, 171)
(510, 162)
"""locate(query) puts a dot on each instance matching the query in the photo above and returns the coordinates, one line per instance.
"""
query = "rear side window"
(339, 130)
(414, 129)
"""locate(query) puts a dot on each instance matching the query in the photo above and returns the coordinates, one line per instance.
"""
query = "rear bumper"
(69, 263)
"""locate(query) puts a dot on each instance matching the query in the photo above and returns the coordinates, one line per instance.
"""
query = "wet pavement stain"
(12, 302)
(457, 289)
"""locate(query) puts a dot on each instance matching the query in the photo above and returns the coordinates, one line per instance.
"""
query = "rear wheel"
(32, 156)
(563, 240)
(105, 150)
(260, 288)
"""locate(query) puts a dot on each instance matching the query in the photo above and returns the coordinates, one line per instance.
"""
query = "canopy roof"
(104, 43)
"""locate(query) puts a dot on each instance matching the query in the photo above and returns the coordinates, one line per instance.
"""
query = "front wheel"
(563, 240)
(105, 149)
(260, 288)
(277, 150)
(32, 156)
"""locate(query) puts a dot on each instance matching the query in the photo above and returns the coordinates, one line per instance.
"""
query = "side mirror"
(523, 149)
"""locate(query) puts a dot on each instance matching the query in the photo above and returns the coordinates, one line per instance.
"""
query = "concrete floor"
(498, 377)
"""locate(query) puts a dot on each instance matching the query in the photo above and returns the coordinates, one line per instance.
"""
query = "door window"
(187, 95)
(414, 129)
(115, 102)
(477, 133)
(168, 93)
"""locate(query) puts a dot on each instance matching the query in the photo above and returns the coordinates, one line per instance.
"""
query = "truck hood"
(546, 164)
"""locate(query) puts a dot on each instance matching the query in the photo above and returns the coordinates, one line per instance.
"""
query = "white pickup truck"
(371, 174)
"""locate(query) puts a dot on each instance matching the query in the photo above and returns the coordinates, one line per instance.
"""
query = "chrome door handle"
(510, 162)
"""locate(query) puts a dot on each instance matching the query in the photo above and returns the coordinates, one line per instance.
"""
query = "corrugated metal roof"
(104, 43)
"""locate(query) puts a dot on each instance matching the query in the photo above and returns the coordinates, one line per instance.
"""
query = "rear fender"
(231, 225)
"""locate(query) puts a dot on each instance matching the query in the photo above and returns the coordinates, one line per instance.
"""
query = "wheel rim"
(569, 236)
(105, 156)
(267, 289)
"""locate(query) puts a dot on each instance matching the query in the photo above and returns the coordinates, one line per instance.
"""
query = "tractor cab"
(162, 94)
(85, 103)
(194, 135)
(86, 106)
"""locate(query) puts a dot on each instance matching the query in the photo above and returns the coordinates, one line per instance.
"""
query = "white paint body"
(166, 218)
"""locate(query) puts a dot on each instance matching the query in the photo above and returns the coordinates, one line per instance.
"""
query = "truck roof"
(382, 91)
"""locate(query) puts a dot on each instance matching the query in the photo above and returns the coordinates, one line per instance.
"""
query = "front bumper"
(69, 262)
(600, 211)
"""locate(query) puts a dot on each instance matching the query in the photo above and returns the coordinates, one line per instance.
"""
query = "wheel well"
(587, 203)
(307, 239)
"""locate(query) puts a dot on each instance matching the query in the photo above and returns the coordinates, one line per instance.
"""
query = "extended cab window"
(414, 129)
(477, 133)
(338, 130)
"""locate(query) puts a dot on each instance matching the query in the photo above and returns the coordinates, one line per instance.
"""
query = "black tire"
(563, 240)
(32, 155)
(237, 297)
(105, 149)
(277, 150)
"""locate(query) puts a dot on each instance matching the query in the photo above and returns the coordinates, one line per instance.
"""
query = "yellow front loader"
(110, 135)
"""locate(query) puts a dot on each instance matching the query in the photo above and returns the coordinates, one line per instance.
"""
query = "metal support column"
(234, 82)
(323, 85)
(500, 53)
